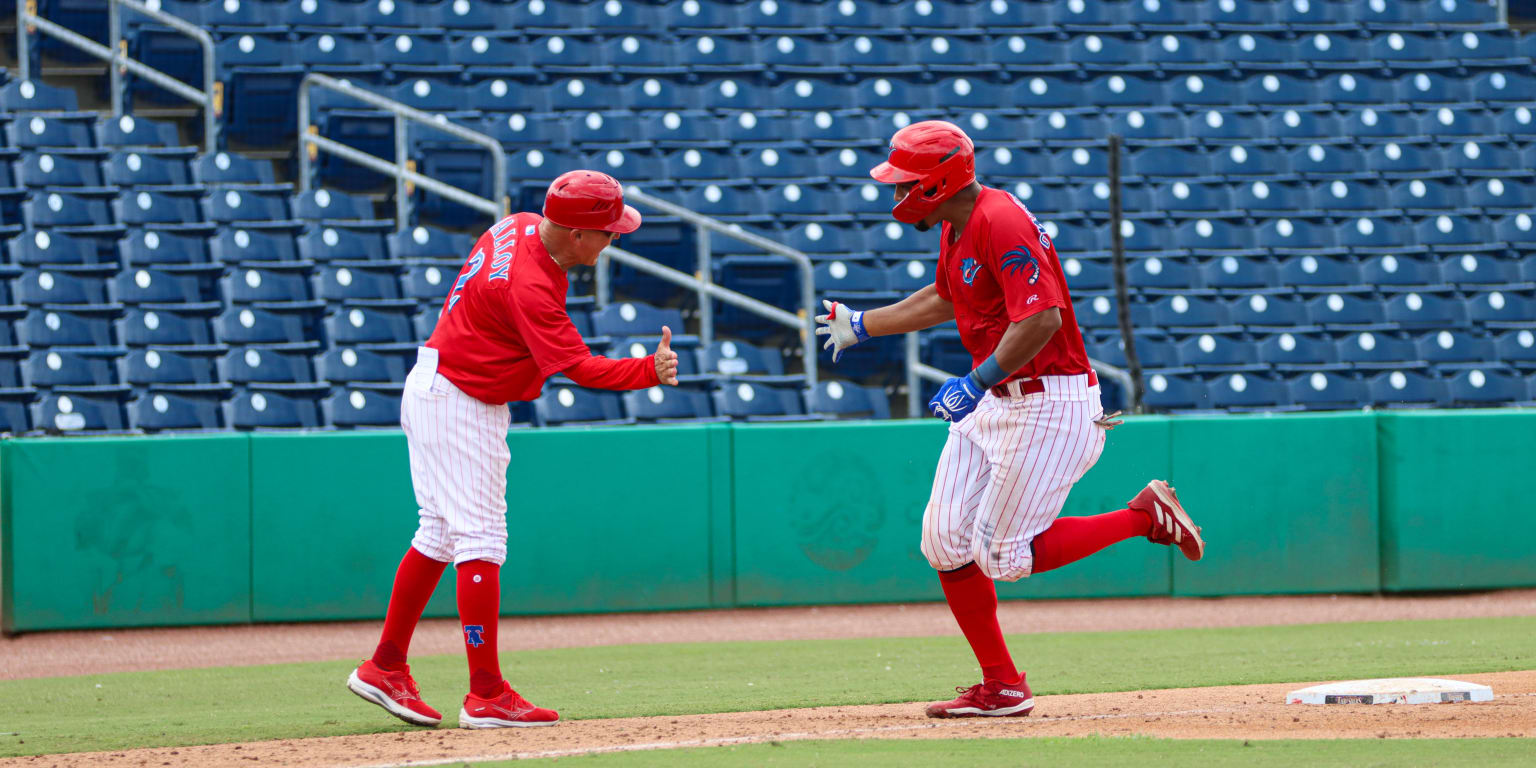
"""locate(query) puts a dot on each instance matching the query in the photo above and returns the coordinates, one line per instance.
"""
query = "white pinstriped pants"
(459, 462)
(1005, 473)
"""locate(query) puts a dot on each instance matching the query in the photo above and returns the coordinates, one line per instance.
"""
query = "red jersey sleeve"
(1020, 255)
(598, 372)
(941, 274)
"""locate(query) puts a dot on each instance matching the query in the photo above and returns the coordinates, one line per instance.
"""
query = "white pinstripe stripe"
(1005, 474)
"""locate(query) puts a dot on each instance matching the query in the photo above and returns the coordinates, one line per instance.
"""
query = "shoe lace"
(406, 682)
(968, 691)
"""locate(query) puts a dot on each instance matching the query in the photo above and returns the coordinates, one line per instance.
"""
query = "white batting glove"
(842, 326)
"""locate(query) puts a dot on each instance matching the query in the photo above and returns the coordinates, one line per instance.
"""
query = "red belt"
(1035, 386)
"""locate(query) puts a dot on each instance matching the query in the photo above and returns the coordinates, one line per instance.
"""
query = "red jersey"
(1002, 269)
(504, 329)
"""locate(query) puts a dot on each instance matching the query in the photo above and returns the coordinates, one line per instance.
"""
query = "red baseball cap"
(589, 200)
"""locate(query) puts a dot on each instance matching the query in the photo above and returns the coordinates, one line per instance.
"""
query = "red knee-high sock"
(1070, 539)
(415, 579)
(972, 597)
(479, 584)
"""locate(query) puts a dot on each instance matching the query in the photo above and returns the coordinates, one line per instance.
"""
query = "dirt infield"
(52, 654)
(1235, 712)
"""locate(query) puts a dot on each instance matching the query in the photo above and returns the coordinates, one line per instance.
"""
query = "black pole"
(1122, 290)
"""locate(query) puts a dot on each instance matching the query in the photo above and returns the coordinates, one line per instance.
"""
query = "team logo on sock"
(473, 635)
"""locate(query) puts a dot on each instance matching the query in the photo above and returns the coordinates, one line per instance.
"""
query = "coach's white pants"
(459, 461)
(1005, 473)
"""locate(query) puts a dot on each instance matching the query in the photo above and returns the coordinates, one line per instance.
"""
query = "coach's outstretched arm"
(598, 372)
(844, 327)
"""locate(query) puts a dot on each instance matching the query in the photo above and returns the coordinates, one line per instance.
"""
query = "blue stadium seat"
(1426, 193)
(1487, 387)
(165, 326)
(1515, 229)
(246, 205)
(1296, 351)
(1445, 230)
(563, 404)
(817, 238)
(1188, 312)
(1328, 391)
(1166, 392)
(1386, 122)
(757, 402)
(41, 247)
(1278, 89)
(429, 243)
(1398, 389)
(1345, 310)
(275, 409)
(428, 282)
(272, 365)
(1288, 233)
(1517, 348)
(740, 359)
(61, 367)
(146, 207)
(170, 365)
(633, 318)
(1325, 160)
(1094, 49)
(1390, 270)
(361, 364)
(36, 287)
(227, 168)
(130, 131)
(329, 204)
(845, 400)
(1371, 232)
(44, 131)
(36, 96)
(1447, 348)
(340, 55)
(56, 169)
(256, 325)
(326, 244)
(1393, 157)
(1233, 273)
(363, 407)
(62, 327)
(1168, 161)
(665, 404)
(1502, 194)
(357, 281)
(1268, 311)
(1216, 351)
(1487, 270)
(62, 209)
(1500, 307)
(176, 411)
(370, 325)
(1046, 91)
(80, 411)
(1502, 87)
(132, 169)
(235, 245)
(1375, 350)
(1294, 125)
(1246, 391)
(1425, 309)
(162, 286)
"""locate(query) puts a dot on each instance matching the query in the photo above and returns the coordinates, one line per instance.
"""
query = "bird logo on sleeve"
(968, 270)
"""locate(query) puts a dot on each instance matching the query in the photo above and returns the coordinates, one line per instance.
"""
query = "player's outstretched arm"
(845, 327)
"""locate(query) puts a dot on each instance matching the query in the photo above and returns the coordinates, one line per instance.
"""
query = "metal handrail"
(496, 206)
(917, 371)
(119, 63)
(704, 278)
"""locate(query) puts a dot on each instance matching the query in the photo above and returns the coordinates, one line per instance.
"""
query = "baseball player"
(502, 331)
(1025, 424)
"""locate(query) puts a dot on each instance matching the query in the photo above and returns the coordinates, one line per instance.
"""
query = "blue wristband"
(856, 322)
(988, 374)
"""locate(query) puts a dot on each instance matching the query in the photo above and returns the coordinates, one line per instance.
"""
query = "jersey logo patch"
(1019, 259)
(968, 270)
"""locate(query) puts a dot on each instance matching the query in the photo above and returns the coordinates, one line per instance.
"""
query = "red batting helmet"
(589, 200)
(937, 157)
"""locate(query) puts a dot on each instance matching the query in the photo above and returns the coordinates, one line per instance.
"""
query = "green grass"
(205, 706)
(1090, 752)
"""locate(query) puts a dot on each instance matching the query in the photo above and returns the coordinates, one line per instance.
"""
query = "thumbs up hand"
(666, 359)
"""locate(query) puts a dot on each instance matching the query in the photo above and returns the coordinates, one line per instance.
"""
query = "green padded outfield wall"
(1288, 503)
(115, 532)
(1456, 510)
(122, 532)
(597, 520)
(833, 514)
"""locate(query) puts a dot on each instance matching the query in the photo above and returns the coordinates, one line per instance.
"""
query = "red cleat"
(987, 700)
(396, 692)
(509, 710)
(1170, 523)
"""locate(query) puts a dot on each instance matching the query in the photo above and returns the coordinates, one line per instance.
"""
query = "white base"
(1396, 690)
